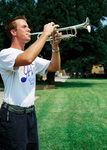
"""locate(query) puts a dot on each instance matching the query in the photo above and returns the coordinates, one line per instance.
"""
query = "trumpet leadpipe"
(36, 33)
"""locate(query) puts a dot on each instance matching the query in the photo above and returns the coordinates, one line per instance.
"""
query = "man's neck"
(18, 45)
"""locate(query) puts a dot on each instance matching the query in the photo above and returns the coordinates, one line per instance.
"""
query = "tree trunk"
(51, 78)
(105, 71)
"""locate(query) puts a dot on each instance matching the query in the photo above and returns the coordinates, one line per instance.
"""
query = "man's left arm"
(55, 59)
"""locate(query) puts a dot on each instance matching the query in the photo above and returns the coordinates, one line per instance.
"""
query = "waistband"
(17, 109)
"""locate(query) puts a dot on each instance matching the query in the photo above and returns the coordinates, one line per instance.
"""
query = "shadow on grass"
(72, 84)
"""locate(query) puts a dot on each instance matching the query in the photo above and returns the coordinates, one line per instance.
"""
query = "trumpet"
(70, 31)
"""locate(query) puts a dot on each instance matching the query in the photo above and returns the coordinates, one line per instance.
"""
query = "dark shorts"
(18, 131)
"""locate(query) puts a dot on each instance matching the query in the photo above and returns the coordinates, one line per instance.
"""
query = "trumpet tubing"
(70, 31)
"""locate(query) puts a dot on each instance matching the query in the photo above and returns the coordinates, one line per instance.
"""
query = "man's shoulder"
(4, 51)
(10, 50)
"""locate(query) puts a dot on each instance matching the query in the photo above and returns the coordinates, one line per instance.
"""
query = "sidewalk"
(61, 78)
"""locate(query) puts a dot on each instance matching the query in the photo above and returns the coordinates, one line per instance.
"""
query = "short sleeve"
(7, 59)
(41, 65)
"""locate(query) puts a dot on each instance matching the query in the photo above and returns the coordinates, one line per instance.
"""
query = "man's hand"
(49, 28)
(56, 34)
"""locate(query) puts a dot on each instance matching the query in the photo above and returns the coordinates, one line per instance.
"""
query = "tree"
(87, 49)
(12, 8)
(71, 12)
(102, 48)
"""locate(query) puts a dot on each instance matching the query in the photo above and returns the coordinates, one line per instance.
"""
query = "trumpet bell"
(88, 24)
(89, 28)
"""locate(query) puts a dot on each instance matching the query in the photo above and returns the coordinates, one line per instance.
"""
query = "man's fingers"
(56, 25)
(57, 34)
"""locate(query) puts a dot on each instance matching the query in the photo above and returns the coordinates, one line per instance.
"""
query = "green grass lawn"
(73, 116)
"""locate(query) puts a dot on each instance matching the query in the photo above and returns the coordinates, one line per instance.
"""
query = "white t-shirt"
(20, 81)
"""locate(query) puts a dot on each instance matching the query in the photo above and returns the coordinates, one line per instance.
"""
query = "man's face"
(23, 30)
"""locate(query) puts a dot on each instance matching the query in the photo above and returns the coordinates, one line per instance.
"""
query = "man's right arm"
(33, 51)
(30, 53)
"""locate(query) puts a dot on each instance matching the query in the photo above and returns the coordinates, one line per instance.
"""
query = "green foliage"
(12, 8)
(38, 76)
(88, 47)
(91, 47)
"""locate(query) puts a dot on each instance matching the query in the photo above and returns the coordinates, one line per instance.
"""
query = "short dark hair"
(12, 25)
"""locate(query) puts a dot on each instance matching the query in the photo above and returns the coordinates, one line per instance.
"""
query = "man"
(18, 126)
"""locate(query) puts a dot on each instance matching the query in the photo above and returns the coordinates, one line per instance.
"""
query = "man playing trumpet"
(18, 125)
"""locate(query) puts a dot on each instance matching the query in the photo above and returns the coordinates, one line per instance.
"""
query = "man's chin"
(28, 40)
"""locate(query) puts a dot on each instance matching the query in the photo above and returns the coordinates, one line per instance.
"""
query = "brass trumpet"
(70, 31)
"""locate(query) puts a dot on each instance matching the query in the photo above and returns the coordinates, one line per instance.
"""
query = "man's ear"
(13, 32)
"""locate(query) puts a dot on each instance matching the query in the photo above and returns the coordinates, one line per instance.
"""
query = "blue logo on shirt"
(27, 72)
